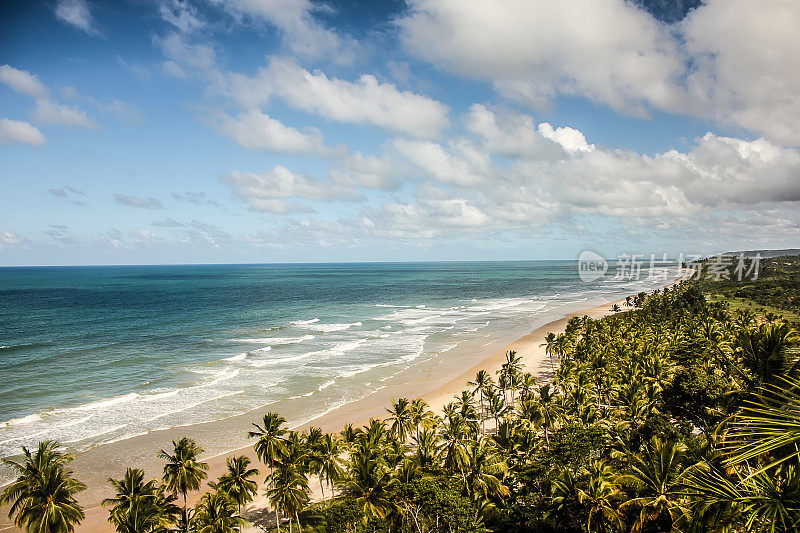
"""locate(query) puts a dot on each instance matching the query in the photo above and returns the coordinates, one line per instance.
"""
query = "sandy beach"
(434, 384)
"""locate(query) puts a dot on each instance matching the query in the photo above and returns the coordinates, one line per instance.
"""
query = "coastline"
(437, 390)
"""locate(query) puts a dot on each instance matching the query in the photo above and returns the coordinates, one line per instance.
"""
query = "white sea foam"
(271, 362)
(275, 341)
(22, 420)
(330, 328)
(305, 322)
(240, 357)
(326, 385)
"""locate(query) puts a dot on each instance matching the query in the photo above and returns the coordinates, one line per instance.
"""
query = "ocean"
(94, 355)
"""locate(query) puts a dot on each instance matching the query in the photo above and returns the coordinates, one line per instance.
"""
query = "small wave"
(271, 362)
(275, 341)
(22, 420)
(102, 404)
(240, 357)
(329, 328)
(326, 385)
(305, 322)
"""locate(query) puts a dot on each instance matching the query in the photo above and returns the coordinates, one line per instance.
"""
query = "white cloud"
(266, 191)
(364, 101)
(532, 50)
(258, 131)
(19, 131)
(302, 33)
(510, 133)
(730, 60)
(570, 139)
(50, 112)
(746, 65)
(22, 81)
(136, 201)
(181, 14)
(463, 165)
(187, 58)
(76, 13)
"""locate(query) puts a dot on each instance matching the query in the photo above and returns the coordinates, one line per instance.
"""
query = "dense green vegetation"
(775, 290)
(680, 414)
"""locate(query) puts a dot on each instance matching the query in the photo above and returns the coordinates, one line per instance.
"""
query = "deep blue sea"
(91, 355)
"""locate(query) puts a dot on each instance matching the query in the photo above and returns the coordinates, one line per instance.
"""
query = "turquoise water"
(91, 355)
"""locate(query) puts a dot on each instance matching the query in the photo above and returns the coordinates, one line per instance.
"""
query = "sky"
(236, 131)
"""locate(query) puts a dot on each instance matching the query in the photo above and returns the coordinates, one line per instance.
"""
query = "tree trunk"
(297, 516)
(277, 519)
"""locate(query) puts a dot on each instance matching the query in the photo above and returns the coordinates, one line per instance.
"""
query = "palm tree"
(602, 496)
(143, 516)
(769, 423)
(270, 447)
(42, 498)
(547, 409)
(401, 417)
(331, 463)
(657, 474)
(140, 506)
(485, 469)
(509, 372)
(427, 449)
(757, 501)
(483, 382)
(216, 513)
(766, 352)
(237, 483)
(368, 483)
(183, 472)
(288, 492)
(421, 416)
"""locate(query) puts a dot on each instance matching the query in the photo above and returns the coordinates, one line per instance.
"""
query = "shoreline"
(526, 343)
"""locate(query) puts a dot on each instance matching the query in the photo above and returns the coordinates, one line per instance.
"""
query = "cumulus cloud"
(22, 81)
(136, 201)
(364, 101)
(19, 131)
(730, 60)
(533, 50)
(746, 66)
(255, 130)
(76, 13)
(302, 32)
(50, 112)
(266, 191)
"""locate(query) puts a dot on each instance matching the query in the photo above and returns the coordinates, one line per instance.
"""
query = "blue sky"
(171, 131)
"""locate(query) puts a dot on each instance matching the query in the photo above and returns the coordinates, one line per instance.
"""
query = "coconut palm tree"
(368, 482)
(42, 498)
(754, 501)
(401, 416)
(657, 474)
(271, 446)
(216, 513)
(548, 409)
(237, 482)
(140, 506)
(485, 469)
(288, 492)
(483, 383)
(602, 495)
(331, 469)
(421, 416)
(183, 472)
